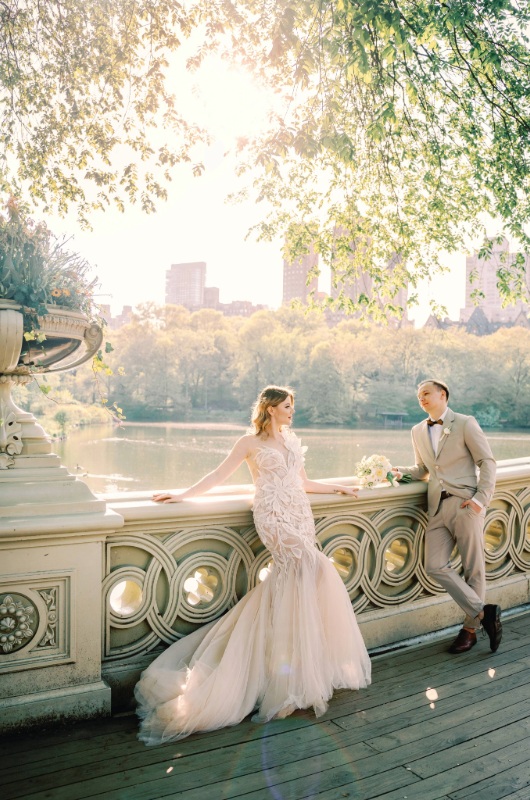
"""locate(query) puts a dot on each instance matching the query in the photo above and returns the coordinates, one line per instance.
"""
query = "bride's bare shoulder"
(248, 443)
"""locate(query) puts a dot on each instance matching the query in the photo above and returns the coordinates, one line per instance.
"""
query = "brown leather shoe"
(491, 622)
(464, 641)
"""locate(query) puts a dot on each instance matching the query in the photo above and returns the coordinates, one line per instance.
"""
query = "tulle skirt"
(287, 644)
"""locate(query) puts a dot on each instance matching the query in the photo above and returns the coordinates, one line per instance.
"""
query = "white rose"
(447, 431)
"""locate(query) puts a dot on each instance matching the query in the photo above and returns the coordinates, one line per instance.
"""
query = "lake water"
(143, 457)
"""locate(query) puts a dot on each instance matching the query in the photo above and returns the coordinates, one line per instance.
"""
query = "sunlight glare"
(234, 103)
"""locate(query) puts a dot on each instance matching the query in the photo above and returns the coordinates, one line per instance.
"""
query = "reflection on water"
(143, 457)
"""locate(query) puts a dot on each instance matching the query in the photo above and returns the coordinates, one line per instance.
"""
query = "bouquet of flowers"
(373, 470)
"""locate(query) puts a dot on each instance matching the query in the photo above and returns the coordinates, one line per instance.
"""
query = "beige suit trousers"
(464, 527)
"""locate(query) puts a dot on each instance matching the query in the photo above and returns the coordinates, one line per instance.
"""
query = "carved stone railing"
(67, 647)
(172, 568)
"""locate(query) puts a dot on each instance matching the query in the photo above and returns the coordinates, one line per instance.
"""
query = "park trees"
(405, 124)
(182, 366)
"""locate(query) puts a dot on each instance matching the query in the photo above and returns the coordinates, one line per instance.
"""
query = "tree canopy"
(82, 88)
(405, 123)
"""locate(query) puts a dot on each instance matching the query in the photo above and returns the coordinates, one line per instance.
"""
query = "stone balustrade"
(92, 588)
(173, 567)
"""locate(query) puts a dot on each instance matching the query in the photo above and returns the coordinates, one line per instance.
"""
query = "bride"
(290, 641)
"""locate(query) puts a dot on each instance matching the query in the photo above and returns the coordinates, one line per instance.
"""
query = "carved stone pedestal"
(52, 531)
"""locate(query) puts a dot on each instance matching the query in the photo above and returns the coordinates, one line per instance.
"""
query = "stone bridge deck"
(469, 738)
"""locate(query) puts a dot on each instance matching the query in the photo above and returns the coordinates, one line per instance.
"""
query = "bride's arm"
(213, 479)
(325, 488)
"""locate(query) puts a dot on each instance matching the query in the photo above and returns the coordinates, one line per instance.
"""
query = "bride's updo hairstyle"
(269, 396)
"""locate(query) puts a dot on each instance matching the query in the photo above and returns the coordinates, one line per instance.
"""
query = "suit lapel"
(426, 439)
(448, 421)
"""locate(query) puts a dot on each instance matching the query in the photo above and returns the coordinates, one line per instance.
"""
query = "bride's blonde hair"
(269, 396)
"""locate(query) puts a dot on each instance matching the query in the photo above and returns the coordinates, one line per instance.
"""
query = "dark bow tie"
(431, 422)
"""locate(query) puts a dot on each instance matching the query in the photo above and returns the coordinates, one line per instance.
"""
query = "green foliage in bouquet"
(37, 270)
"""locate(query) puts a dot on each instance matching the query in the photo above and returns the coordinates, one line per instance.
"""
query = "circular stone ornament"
(19, 620)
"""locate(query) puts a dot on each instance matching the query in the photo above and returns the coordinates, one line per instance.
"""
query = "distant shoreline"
(186, 426)
(491, 433)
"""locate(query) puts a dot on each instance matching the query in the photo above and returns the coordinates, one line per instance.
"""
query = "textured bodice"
(282, 512)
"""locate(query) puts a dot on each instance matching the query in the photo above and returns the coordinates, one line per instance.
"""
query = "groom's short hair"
(439, 384)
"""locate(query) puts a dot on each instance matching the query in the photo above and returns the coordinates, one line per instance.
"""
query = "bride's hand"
(347, 490)
(166, 497)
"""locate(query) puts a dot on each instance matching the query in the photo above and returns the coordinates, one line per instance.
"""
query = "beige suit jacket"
(462, 454)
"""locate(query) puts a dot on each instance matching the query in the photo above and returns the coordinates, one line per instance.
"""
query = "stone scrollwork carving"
(93, 337)
(49, 638)
(191, 576)
(10, 433)
(19, 620)
(6, 461)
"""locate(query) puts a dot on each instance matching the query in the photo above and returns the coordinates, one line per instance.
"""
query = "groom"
(449, 449)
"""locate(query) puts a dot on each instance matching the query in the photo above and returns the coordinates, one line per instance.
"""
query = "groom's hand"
(476, 508)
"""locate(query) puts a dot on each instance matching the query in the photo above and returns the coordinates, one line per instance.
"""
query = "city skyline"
(186, 286)
(293, 286)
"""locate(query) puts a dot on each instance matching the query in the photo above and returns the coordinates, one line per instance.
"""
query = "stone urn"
(71, 339)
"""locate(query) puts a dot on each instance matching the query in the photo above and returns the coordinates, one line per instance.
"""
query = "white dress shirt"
(435, 432)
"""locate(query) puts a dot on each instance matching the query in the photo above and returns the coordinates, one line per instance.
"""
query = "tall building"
(185, 284)
(115, 323)
(295, 277)
(211, 296)
(485, 280)
(363, 284)
(185, 287)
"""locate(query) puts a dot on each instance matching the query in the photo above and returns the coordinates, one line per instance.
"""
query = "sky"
(132, 251)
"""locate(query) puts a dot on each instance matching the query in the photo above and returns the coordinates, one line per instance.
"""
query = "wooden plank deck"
(392, 741)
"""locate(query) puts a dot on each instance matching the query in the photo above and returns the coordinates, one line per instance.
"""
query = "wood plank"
(522, 794)
(416, 708)
(463, 743)
(513, 627)
(516, 699)
(154, 761)
(432, 678)
(315, 786)
(501, 786)
(20, 745)
(446, 662)
(305, 761)
(199, 742)
(207, 745)
(475, 718)
(389, 665)
(14, 743)
(157, 781)
(138, 754)
(459, 779)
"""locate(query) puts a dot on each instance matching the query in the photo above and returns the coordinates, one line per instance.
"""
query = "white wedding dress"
(287, 644)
